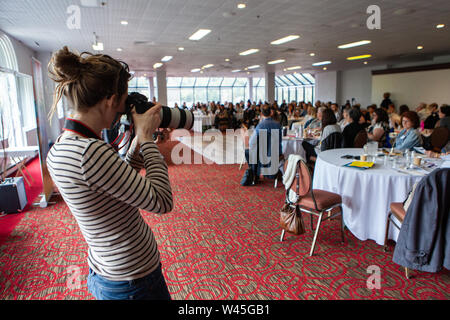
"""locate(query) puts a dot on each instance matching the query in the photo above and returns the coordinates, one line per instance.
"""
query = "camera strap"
(78, 127)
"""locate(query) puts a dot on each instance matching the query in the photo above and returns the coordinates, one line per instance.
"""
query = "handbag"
(291, 219)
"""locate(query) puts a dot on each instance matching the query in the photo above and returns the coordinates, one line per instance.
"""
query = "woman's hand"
(146, 123)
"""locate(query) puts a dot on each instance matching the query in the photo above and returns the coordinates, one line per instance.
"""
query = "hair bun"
(67, 63)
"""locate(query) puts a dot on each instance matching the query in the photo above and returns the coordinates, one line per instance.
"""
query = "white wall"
(24, 55)
(412, 88)
(356, 83)
(326, 86)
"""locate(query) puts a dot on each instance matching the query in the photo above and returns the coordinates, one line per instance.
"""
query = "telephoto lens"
(173, 118)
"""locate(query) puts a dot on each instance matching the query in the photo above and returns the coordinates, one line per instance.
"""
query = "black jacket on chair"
(333, 141)
(424, 239)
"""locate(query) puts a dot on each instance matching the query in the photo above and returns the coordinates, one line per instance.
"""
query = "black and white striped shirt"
(104, 193)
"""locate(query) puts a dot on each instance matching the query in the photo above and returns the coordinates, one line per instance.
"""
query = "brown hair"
(328, 118)
(86, 79)
(413, 117)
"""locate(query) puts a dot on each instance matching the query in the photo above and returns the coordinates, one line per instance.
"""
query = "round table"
(292, 145)
(366, 194)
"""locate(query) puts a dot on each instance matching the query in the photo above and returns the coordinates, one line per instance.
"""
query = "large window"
(141, 85)
(294, 87)
(204, 90)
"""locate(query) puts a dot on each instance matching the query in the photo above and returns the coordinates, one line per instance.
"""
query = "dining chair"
(313, 201)
(396, 210)
(360, 139)
(439, 138)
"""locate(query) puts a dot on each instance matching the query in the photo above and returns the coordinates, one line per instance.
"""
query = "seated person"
(409, 137)
(329, 126)
(351, 130)
(316, 124)
(432, 119)
(337, 114)
(379, 130)
(268, 124)
(345, 118)
(444, 117)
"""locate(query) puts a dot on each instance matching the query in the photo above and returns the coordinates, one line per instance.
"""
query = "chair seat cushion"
(398, 210)
(324, 200)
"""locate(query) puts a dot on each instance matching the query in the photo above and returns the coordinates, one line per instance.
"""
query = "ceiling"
(156, 28)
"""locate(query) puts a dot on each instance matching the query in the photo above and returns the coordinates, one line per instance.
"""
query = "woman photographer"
(103, 192)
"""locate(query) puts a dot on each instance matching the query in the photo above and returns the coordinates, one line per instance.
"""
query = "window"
(296, 86)
(141, 85)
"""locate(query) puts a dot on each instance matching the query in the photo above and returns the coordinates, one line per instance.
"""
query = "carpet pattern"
(220, 242)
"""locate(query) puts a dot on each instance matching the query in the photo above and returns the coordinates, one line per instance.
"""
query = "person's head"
(410, 120)
(371, 109)
(346, 113)
(386, 95)
(444, 111)
(403, 108)
(335, 107)
(380, 116)
(433, 107)
(421, 106)
(391, 108)
(320, 112)
(328, 118)
(355, 115)
(357, 106)
(266, 111)
(90, 81)
(312, 111)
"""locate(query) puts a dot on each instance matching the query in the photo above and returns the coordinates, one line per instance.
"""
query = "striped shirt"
(104, 193)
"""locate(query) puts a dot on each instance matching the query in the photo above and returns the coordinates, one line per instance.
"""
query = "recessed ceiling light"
(293, 68)
(201, 71)
(365, 62)
(276, 61)
(157, 65)
(124, 23)
(119, 49)
(207, 66)
(98, 46)
(236, 70)
(321, 63)
(440, 26)
(249, 51)
(285, 39)
(248, 72)
(195, 70)
(364, 56)
(199, 34)
(166, 58)
(419, 47)
(227, 60)
(241, 6)
(312, 54)
(145, 74)
(324, 68)
(354, 44)
(180, 49)
(253, 67)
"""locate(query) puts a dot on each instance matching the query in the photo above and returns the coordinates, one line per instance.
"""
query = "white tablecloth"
(291, 145)
(202, 120)
(366, 194)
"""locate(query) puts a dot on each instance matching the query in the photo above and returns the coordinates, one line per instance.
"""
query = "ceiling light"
(276, 61)
(157, 65)
(119, 49)
(440, 26)
(354, 44)
(98, 46)
(285, 39)
(365, 62)
(195, 70)
(248, 72)
(207, 66)
(124, 23)
(249, 51)
(364, 56)
(241, 6)
(227, 60)
(312, 54)
(90, 3)
(145, 74)
(166, 58)
(293, 68)
(180, 49)
(236, 70)
(419, 47)
(324, 68)
(201, 71)
(253, 67)
(321, 63)
(199, 34)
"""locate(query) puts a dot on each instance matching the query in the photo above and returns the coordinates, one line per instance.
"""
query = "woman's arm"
(105, 172)
(376, 134)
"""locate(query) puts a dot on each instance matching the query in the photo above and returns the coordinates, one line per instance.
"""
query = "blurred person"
(379, 130)
(352, 129)
(409, 137)
(386, 100)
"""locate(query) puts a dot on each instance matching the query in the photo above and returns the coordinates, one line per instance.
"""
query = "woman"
(103, 192)
(444, 117)
(409, 137)
(310, 116)
(316, 124)
(345, 118)
(380, 129)
(352, 129)
(329, 126)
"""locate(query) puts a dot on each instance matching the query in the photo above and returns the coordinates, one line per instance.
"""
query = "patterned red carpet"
(220, 242)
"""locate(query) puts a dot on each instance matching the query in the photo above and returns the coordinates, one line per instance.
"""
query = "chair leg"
(282, 235)
(311, 220)
(342, 226)
(385, 246)
(316, 233)
(276, 182)
(407, 275)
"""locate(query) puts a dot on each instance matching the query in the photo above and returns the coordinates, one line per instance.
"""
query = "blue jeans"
(150, 287)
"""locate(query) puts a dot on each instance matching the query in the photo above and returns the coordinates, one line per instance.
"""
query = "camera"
(122, 132)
